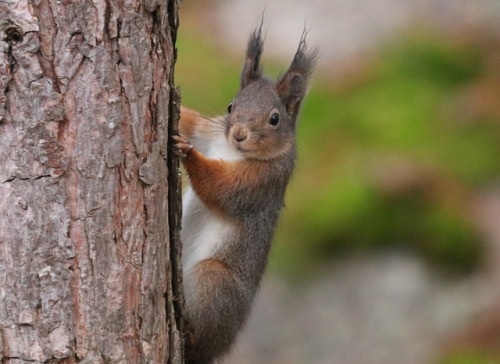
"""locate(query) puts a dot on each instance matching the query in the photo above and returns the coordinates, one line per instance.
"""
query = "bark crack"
(107, 19)
(11, 60)
(14, 178)
(5, 359)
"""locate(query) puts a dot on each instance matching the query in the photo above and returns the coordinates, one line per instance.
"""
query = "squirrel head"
(262, 118)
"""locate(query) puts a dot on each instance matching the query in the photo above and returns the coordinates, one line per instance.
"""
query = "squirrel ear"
(291, 90)
(292, 86)
(251, 69)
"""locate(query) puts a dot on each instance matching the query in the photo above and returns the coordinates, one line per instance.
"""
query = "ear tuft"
(292, 86)
(251, 69)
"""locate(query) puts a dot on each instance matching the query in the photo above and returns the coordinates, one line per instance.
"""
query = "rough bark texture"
(86, 108)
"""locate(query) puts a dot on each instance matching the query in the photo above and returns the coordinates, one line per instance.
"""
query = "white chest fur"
(203, 231)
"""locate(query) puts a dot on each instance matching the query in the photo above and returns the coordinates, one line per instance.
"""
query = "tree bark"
(89, 253)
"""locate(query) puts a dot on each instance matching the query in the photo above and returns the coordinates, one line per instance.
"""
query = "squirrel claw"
(183, 146)
(180, 154)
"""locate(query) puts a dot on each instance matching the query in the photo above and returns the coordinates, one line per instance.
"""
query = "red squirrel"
(239, 165)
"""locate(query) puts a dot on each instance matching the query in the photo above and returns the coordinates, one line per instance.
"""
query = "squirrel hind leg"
(217, 305)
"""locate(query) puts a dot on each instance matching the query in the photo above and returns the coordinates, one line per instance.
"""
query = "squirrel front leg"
(204, 173)
(218, 183)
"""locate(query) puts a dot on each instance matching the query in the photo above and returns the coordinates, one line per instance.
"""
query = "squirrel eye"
(229, 107)
(275, 119)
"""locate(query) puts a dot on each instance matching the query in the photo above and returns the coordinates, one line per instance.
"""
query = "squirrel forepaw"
(182, 146)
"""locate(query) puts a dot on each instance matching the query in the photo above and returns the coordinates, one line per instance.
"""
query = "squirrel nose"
(240, 135)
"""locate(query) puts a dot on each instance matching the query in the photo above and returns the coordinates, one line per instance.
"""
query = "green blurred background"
(395, 147)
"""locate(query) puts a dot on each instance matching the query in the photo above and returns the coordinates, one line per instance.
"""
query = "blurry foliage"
(208, 78)
(472, 357)
(388, 157)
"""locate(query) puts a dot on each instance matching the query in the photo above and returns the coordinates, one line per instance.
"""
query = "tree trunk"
(89, 216)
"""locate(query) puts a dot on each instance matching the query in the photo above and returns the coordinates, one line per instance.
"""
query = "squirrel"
(238, 165)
